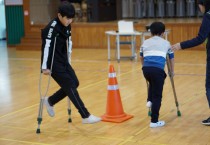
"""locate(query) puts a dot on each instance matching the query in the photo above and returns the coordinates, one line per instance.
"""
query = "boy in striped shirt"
(153, 54)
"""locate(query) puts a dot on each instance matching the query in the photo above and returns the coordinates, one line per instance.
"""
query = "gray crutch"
(173, 86)
(39, 118)
(69, 49)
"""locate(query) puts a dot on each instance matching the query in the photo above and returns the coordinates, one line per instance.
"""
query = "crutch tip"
(69, 120)
(38, 131)
(179, 113)
(149, 113)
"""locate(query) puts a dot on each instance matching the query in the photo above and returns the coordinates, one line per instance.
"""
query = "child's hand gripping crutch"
(42, 96)
(69, 50)
(171, 75)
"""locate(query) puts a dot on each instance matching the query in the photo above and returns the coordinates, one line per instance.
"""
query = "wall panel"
(14, 24)
(92, 35)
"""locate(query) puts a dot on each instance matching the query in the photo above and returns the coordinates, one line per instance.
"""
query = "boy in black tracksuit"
(203, 33)
(55, 40)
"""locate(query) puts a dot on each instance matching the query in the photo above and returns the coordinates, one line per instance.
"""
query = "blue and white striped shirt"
(154, 51)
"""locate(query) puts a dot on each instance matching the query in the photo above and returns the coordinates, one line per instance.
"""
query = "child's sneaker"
(157, 124)
(50, 109)
(206, 122)
(91, 119)
(149, 104)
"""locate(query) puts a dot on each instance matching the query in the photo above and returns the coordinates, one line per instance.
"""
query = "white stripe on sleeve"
(46, 54)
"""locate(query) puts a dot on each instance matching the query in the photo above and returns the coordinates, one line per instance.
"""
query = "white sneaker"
(157, 124)
(50, 109)
(91, 119)
(149, 104)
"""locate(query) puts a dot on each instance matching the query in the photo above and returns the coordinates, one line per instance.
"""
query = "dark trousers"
(155, 77)
(68, 82)
(208, 80)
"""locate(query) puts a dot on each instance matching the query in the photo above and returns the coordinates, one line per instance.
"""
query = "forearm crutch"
(42, 96)
(69, 49)
(173, 86)
(149, 112)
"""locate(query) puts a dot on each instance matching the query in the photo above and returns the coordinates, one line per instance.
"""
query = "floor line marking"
(18, 111)
(96, 83)
(26, 142)
(77, 134)
(129, 139)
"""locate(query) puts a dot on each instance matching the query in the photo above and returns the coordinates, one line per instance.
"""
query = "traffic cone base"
(116, 119)
(114, 108)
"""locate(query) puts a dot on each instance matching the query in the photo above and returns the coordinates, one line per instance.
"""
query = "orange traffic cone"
(114, 108)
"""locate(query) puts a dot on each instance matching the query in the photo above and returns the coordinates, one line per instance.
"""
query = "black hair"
(66, 9)
(200, 2)
(157, 28)
(206, 4)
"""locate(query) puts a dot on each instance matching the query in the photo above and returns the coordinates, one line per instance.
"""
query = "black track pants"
(68, 82)
(155, 77)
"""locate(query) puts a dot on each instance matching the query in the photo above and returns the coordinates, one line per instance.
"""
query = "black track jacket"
(53, 30)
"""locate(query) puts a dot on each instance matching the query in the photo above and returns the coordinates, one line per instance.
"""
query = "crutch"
(149, 112)
(69, 50)
(173, 86)
(39, 118)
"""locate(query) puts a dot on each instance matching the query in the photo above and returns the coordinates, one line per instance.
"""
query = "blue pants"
(156, 77)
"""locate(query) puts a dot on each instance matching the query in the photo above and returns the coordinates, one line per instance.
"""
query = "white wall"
(2, 20)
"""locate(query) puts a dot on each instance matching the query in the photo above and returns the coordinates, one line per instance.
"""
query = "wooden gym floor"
(19, 102)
